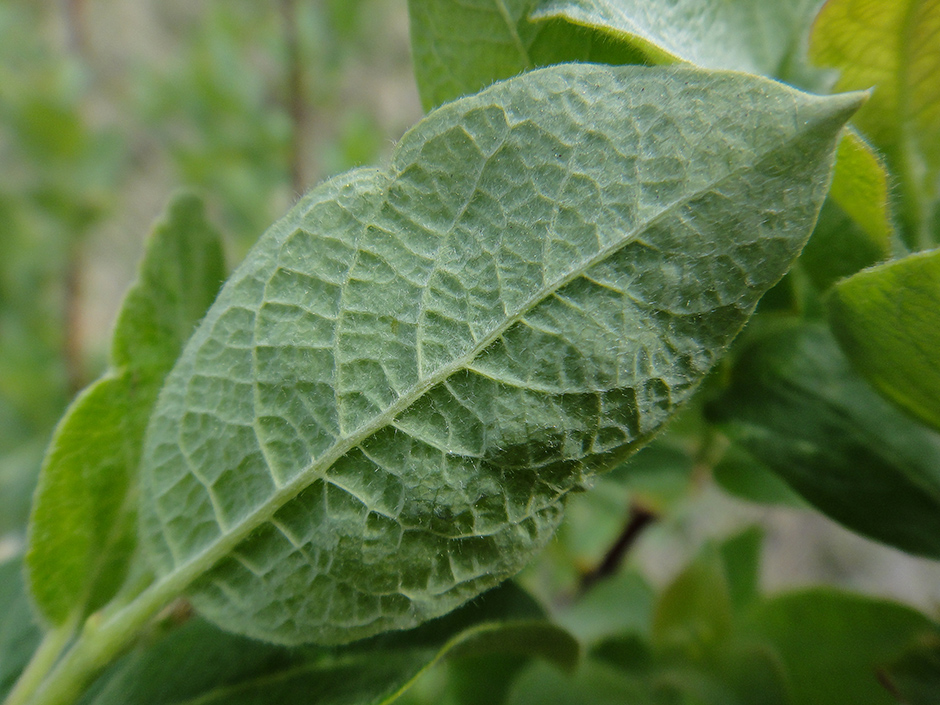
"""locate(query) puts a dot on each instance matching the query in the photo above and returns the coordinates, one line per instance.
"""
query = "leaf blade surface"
(887, 320)
(83, 523)
(796, 404)
(197, 663)
(359, 436)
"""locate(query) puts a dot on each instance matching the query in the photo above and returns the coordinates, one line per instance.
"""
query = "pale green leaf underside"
(747, 35)
(382, 412)
(83, 523)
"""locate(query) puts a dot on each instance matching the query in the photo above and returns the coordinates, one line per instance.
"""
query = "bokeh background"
(109, 106)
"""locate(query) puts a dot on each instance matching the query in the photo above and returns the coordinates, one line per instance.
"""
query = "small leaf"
(740, 557)
(200, 663)
(742, 475)
(860, 187)
(798, 406)
(914, 677)
(834, 644)
(83, 524)
(621, 604)
(887, 320)
(19, 635)
(693, 620)
(383, 412)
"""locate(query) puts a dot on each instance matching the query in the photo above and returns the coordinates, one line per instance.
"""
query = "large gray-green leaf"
(461, 47)
(381, 414)
(83, 524)
(747, 35)
(796, 403)
(200, 664)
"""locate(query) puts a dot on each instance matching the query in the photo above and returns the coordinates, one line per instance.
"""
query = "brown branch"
(296, 106)
(638, 520)
(75, 25)
(72, 313)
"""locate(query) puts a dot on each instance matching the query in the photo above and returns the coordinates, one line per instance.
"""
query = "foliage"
(317, 482)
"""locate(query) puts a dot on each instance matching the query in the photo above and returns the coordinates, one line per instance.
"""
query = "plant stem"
(100, 641)
(638, 520)
(42, 662)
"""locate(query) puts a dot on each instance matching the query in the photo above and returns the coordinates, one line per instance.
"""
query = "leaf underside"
(382, 413)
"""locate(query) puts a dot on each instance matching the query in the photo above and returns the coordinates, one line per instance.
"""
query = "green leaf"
(834, 644)
(620, 604)
(742, 475)
(19, 635)
(887, 320)
(914, 678)
(83, 524)
(199, 663)
(693, 620)
(748, 35)
(860, 187)
(892, 46)
(460, 48)
(798, 406)
(658, 476)
(740, 557)
(382, 414)
(838, 248)
(595, 683)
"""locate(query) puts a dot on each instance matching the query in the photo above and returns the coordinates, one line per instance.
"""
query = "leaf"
(693, 620)
(741, 475)
(19, 635)
(798, 406)
(747, 35)
(381, 415)
(740, 558)
(892, 46)
(860, 187)
(833, 644)
(621, 604)
(83, 524)
(199, 663)
(838, 248)
(595, 683)
(460, 48)
(914, 678)
(887, 320)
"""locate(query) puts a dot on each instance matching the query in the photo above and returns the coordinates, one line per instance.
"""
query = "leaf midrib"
(176, 580)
